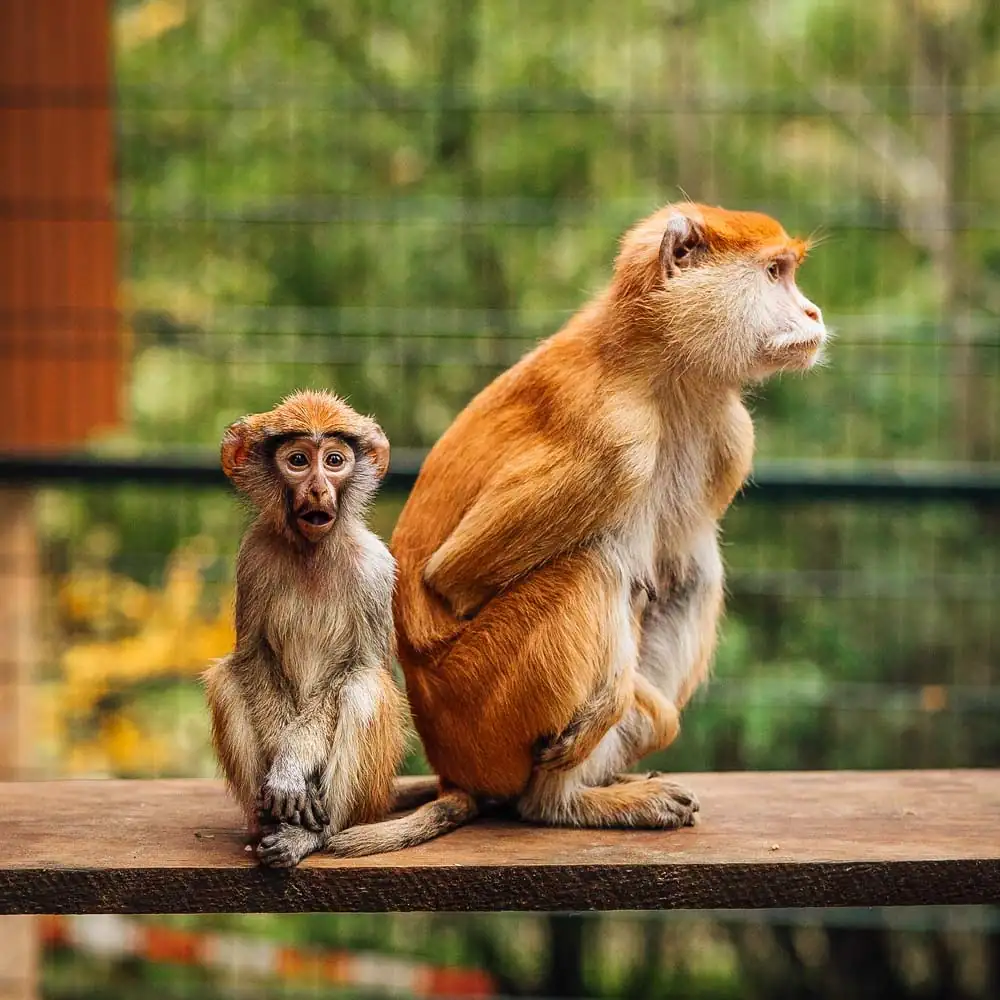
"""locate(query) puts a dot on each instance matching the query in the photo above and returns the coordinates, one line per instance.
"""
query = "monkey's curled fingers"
(554, 753)
(282, 801)
(585, 730)
(313, 814)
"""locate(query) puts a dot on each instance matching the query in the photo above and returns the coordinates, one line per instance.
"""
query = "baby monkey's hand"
(299, 803)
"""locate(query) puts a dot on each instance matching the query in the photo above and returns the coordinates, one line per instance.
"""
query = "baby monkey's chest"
(310, 633)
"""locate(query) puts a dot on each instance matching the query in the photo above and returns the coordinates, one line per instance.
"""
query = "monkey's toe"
(277, 856)
(629, 777)
(286, 847)
(676, 806)
(685, 797)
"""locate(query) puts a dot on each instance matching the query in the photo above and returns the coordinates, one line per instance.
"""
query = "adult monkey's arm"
(546, 502)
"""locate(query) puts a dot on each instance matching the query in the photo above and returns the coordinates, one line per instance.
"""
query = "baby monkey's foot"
(287, 845)
(292, 803)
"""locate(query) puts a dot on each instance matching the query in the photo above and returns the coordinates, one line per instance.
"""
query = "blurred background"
(205, 204)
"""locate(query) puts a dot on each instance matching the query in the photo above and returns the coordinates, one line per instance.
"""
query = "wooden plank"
(765, 840)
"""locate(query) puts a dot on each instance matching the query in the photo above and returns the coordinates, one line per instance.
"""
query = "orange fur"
(742, 232)
(593, 471)
(306, 412)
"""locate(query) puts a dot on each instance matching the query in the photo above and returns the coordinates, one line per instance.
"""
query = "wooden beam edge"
(487, 888)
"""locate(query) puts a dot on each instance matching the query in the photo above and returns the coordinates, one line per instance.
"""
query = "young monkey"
(307, 720)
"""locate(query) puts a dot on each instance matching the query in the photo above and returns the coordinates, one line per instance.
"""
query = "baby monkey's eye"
(298, 460)
(773, 271)
(335, 460)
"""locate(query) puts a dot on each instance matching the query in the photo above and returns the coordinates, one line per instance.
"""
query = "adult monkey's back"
(560, 581)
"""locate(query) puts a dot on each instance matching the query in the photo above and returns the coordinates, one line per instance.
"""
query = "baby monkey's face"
(314, 470)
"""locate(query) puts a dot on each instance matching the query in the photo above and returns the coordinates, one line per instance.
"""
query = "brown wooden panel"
(765, 840)
(20, 587)
(60, 343)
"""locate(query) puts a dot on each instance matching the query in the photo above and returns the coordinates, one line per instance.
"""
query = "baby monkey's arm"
(293, 790)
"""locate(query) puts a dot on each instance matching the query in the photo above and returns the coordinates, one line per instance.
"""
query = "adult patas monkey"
(560, 581)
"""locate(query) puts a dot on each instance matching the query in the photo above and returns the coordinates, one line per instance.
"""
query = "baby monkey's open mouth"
(317, 518)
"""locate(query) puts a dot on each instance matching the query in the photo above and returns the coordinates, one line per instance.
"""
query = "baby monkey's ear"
(235, 447)
(375, 445)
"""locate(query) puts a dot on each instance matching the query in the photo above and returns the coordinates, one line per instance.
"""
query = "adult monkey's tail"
(451, 809)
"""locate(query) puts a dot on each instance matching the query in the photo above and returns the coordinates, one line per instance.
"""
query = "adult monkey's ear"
(681, 239)
(235, 447)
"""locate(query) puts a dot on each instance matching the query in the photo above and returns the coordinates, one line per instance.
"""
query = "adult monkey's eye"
(335, 460)
(298, 460)
(773, 270)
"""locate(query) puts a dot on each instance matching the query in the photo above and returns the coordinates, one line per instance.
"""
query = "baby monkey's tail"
(451, 809)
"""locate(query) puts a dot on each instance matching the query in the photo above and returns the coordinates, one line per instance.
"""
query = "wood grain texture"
(764, 840)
